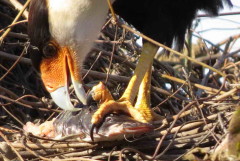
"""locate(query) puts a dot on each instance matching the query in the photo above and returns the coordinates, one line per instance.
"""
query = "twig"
(17, 6)
(12, 147)
(14, 21)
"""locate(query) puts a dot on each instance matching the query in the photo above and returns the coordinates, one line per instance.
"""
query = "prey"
(77, 125)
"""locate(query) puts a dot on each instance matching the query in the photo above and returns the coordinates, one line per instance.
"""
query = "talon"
(90, 98)
(92, 131)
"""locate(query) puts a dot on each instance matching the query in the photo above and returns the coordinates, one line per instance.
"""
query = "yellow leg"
(145, 62)
(139, 84)
(143, 98)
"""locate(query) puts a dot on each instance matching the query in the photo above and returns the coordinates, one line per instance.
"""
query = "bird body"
(64, 31)
(165, 20)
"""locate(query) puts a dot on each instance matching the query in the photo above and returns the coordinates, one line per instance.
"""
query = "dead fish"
(78, 124)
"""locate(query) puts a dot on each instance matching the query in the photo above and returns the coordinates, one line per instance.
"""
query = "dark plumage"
(39, 19)
(38, 29)
(165, 20)
(64, 31)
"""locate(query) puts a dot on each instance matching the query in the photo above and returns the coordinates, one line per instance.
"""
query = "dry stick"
(119, 58)
(8, 130)
(221, 123)
(11, 57)
(112, 11)
(112, 53)
(76, 158)
(14, 117)
(7, 141)
(209, 89)
(196, 145)
(208, 57)
(15, 63)
(110, 154)
(123, 79)
(90, 69)
(169, 145)
(26, 105)
(188, 126)
(232, 37)
(217, 65)
(17, 6)
(175, 118)
(232, 65)
(171, 50)
(221, 14)
(14, 101)
(197, 103)
(115, 77)
(197, 35)
(20, 99)
(14, 24)
(14, 21)
(31, 151)
(112, 42)
(172, 95)
(218, 98)
(27, 155)
(18, 35)
(37, 146)
(73, 152)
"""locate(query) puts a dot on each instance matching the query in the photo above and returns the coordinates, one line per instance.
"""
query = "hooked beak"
(57, 72)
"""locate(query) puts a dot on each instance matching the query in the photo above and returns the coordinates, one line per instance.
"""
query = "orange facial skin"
(55, 70)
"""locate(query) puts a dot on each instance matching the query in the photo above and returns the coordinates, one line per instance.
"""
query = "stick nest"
(197, 104)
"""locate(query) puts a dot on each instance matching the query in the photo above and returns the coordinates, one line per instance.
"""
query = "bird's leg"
(143, 99)
(139, 84)
(145, 62)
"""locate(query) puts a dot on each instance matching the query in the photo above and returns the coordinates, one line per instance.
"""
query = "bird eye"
(108, 119)
(49, 50)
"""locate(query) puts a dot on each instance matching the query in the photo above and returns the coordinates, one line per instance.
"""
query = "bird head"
(58, 67)
(63, 33)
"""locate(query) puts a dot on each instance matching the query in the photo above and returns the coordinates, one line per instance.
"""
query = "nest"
(197, 107)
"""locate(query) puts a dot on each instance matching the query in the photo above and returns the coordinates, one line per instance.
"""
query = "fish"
(77, 125)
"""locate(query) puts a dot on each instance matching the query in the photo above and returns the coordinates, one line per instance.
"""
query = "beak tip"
(62, 99)
(80, 92)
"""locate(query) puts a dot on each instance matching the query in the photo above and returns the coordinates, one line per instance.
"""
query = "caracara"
(63, 32)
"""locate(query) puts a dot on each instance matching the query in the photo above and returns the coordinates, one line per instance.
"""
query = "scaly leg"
(139, 84)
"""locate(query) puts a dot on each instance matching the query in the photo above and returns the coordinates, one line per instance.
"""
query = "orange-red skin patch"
(55, 70)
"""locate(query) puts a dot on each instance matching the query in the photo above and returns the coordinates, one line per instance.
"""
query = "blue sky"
(220, 28)
(217, 29)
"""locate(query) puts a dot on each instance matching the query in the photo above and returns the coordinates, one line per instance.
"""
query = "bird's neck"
(76, 21)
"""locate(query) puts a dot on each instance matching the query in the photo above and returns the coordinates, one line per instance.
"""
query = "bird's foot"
(135, 101)
(107, 104)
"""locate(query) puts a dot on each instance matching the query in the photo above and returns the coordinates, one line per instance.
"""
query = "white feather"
(77, 23)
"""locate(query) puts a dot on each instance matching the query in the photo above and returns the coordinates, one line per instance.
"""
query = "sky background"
(220, 28)
(217, 29)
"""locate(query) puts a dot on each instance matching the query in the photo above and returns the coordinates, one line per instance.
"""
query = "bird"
(62, 33)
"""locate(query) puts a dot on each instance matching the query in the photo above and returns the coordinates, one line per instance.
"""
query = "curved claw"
(94, 126)
(91, 131)
(89, 98)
